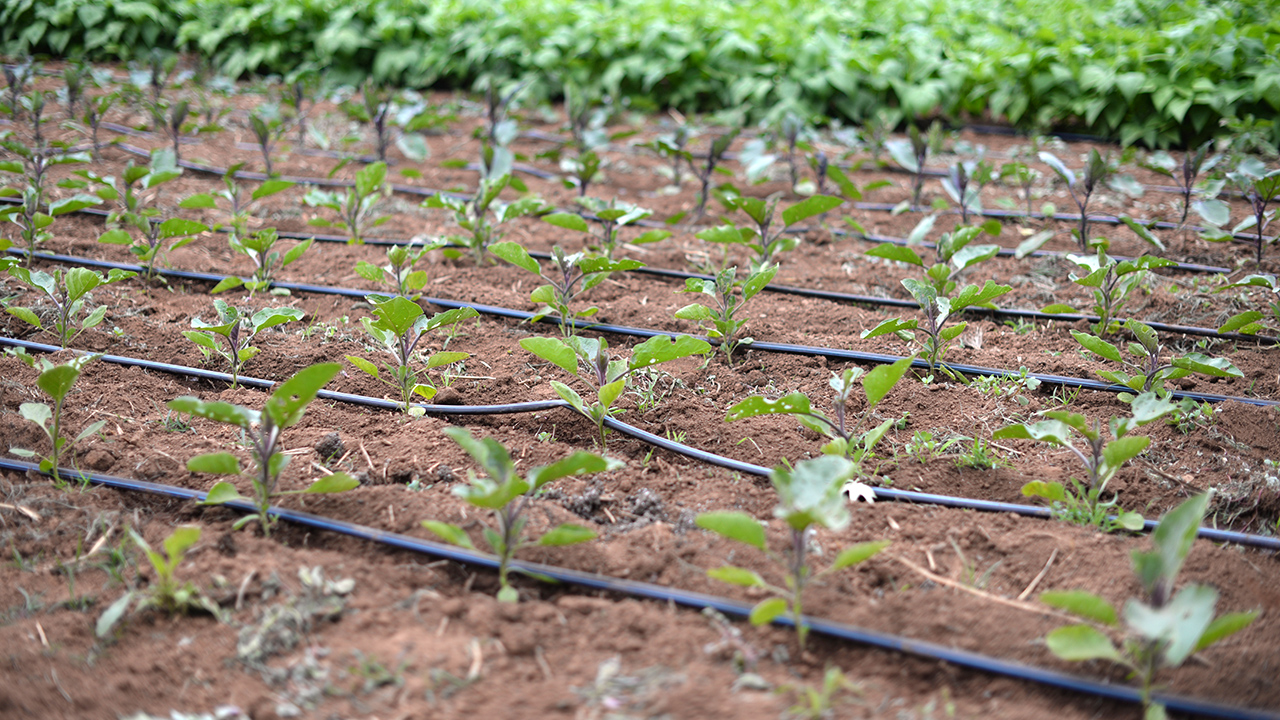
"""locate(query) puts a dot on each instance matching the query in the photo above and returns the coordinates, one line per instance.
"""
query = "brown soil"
(417, 638)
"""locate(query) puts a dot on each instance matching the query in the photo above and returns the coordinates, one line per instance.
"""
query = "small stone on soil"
(330, 447)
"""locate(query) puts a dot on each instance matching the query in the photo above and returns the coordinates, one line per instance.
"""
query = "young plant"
(95, 112)
(151, 245)
(810, 497)
(728, 295)
(1149, 372)
(937, 309)
(587, 120)
(1106, 451)
(1080, 187)
(613, 216)
(165, 592)
(588, 359)
(715, 155)
(260, 248)
(508, 496)
(1250, 322)
(262, 431)
(1162, 629)
(1112, 282)
(953, 253)
(239, 206)
(354, 206)
(1260, 189)
(1185, 173)
(483, 215)
(762, 240)
(33, 215)
(844, 440)
(373, 109)
(912, 153)
(672, 148)
(173, 120)
(398, 274)
(67, 292)
(267, 130)
(237, 330)
(964, 183)
(569, 277)
(400, 326)
(56, 381)
(1023, 176)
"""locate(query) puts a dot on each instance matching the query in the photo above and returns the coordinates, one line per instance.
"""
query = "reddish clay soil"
(414, 637)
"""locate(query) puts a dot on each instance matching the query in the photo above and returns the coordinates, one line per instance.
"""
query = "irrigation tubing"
(807, 350)
(687, 598)
(823, 294)
(908, 496)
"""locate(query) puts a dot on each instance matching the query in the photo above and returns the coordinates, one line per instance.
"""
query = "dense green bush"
(1146, 70)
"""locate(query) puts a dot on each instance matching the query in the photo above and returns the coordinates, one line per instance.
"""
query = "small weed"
(924, 447)
(1020, 326)
(818, 703)
(981, 456)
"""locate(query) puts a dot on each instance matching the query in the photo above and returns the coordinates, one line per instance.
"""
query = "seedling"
(74, 78)
(234, 194)
(912, 153)
(400, 326)
(173, 122)
(1260, 189)
(1185, 173)
(728, 295)
(588, 360)
(569, 277)
(67, 293)
(501, 131)
(508, 496)
(763, 241)
(1105, 453)
(237, 330)
(672, 148)
(56, 381)
(613, 216)
(95, 111)
(398, 274)
(1081, 187)
(483, 215)
(715, 155)
(260, 248)
(811, 496)
(262, 432)
(373, 109)
(937, 309)
(1149, 373)
(964, 183)
(151, 245)
(954, 252)
(1159, 631)
(16, 78)
(587, 121)
(844, 440)
(354, 206)
(1250, 322)
(1025, 177)
(33, 215)
(1112, 282)
(267, 129)
(165, 592)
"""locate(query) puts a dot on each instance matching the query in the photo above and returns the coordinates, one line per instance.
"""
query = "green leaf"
(579, 463)
(1081, 642)
(115, 237)
(179, 541)
(441, 359)
(516, 255)
(736, 576)
(398, 315)
(1120, 450)
(178, 227)
(38, 413)
(1033, 243)
(767, 610)
(1179, 623)
(288, 403)
(1225, 626)
(490, 453)
(721, 234)
(228, 283)
(335, 483)
(215, 464)
(1205, 365)
(554, 351)
(610, 392)
(662, 348)
(1097, 345)
(735, 526)
(568, 221)
(269, 188)
(898, 253)
(795, 403)
(882, 378)
(815, 205)
(1085, 604)
(566, 534)
(1131, 521)
(364, 365)
(222, 492)
(892, 325)
(112, 615)
(57, 380)
(1058, 308)
(1051, 491)
(451, 534)
(857, 553)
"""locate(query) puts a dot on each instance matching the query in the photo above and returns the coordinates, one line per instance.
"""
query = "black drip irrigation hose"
(908, 496)
(831, 353)
(685, 598)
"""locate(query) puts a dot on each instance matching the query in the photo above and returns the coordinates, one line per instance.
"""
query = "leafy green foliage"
(912, 152)
(1103, 456)
(67, 292)
(1149, 372)
(613, 216)
(398, 273)
(237, 331)
(260, 247)
(56, 381)
(1080, 187)
(1261, 187)
(240, 202)
(728, 295)
(763, 240)
(33, 215)
(964, 183)
(400, 326)
(165, 592)
(1186, 173)
(1162, 629)
(844, 440)
(355, 205)
(1250, 322)
(937, 309)
(954, 252)
(263, 431)
(810, 496)
(1112, 281)
(482, 215)
(508, 495)
(568, 277)
(589, 360)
